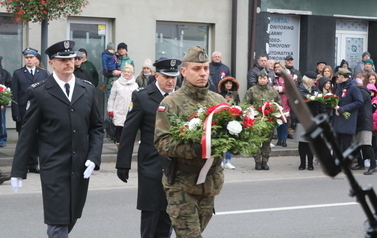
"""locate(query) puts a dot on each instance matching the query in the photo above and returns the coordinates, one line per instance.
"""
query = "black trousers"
(155, 224)
(60, 231)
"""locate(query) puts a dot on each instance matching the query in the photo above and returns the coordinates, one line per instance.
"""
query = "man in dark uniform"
(62, 114)
(23, 78)
(155, 222)
(80, 72)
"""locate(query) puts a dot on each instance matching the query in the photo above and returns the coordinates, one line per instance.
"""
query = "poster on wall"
(284, 37)
(354, 50)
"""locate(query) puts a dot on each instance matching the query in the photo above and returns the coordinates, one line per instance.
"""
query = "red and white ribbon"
(280, 108)
(206, 144)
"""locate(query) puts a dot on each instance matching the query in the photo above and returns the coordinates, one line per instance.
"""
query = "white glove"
(89, 168)
(16, 183)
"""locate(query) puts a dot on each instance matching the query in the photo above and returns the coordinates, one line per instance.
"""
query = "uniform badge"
(202, 56)
(66, 44)
(130, 106)
(173, 63)
(27, 105)
(161, 108)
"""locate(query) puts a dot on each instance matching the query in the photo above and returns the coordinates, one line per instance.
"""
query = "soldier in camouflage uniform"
(257, 95)
(190, 206)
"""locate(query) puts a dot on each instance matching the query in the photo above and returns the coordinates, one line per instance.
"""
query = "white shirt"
(30, 69)
(162, 92)
(62, 83)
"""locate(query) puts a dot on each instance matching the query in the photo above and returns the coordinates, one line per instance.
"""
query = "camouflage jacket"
(261, 93)
(184, 102)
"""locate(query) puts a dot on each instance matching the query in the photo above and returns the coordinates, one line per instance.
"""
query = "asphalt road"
(282, 202)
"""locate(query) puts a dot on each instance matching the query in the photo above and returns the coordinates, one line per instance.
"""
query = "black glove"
(123, 174)
(198, 149)
(340, 110)
(16, 119)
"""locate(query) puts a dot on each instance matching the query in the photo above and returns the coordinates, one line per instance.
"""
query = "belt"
(196, 170)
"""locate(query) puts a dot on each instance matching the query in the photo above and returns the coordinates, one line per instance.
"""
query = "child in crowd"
(109, 64)
(228, 88)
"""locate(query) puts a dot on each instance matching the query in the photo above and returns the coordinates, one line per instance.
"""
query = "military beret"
(196, 54)
(61, 50)
(310, 74)
(344, 72)
(168, 67)
(30, 52)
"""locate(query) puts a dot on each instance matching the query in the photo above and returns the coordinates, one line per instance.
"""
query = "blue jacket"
(350, 101)
(109, 62)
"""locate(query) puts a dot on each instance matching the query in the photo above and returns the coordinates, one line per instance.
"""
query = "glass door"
(350, 47)
(92, 35)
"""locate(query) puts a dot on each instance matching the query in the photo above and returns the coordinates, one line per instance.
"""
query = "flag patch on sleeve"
(161, 108)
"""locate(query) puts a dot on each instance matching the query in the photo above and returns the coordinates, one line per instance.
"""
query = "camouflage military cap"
(263, 73)
(196, 54)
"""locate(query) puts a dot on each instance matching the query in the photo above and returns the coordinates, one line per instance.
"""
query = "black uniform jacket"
(151, 196)
(21, 81)
(69, 133)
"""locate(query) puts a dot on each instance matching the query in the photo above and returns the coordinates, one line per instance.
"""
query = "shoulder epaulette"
(37, 84)
(88, 82)
(139, 89)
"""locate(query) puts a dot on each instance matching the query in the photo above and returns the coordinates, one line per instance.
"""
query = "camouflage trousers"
(264, 153)
(189, 213)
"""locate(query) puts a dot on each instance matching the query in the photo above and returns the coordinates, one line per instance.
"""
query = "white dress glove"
(16, 183)
(89, 168)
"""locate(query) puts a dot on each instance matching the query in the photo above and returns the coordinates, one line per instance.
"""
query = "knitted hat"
(122, 45)
(110, 46)
(148, 64)
(369, 61)
(365, 53)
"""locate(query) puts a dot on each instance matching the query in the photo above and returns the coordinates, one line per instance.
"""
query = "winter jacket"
(217, 72)
(350, 101)
(364, 119)
(281, 89)
(123, 60)
(109, 62)
(120, 99)
(234, 90)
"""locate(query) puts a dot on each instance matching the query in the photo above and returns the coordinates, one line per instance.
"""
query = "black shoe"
(284, 143)
(279, 142)
(265, 166)
(301, 167)
(4, 177)
(310, 167)
(358, 167)
(370, 171)
(34, 170)
(258, 166)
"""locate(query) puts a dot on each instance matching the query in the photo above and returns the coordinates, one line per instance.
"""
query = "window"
(173, 39)
(11, 43)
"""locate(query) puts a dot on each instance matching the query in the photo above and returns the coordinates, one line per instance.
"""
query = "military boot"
(258, 166)
(265, 166)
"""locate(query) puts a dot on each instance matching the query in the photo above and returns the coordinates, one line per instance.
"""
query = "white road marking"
(286, 208)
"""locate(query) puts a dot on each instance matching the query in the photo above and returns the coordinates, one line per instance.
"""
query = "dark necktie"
(32, 75)
(166, 94)
(67, 88)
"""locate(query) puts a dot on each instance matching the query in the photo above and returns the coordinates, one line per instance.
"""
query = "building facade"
(311, 31)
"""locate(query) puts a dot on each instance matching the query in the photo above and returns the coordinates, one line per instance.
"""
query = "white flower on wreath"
(195, 124)
(250, 112)
(234, 127)
(201, 111)
(276, 114)
(279, 121)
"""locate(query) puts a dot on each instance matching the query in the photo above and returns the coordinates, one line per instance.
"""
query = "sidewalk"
(109, 151)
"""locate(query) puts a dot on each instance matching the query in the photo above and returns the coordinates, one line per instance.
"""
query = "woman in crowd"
(120, 99)
(228, 88)
(282, 130)
(343, 64)
(142, 79)
(307, 88)
(370, 78)
(257, 95)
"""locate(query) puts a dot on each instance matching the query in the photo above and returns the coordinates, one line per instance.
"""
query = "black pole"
(44, 40)
(233, 53)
